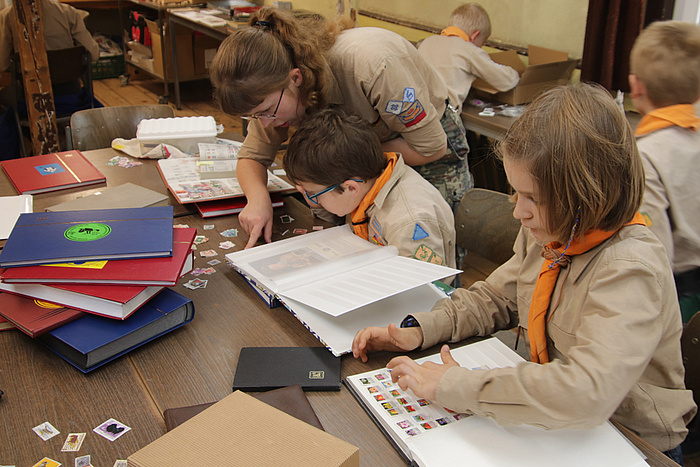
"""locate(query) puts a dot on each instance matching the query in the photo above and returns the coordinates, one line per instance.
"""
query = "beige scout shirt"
(613, 335)
(671, 159)
(63, 27)
(411, 214)
(459, 63)
(381, 77)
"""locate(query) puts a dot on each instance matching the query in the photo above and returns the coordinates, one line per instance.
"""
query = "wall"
(328, 8)
(557, 24)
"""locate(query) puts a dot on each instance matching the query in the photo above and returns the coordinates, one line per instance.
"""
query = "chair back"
(485, 224)
(96, 128)
(690, 347)
(70, 70)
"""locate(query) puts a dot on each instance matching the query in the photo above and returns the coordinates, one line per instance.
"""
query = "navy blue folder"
(69, 236)
(91, 341)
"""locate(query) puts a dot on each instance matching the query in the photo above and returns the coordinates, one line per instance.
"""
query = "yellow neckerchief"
(455, 31)
(359, 215)
(682, 115)
(547, 279)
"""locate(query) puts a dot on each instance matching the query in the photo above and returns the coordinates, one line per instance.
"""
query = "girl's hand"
(256, 220)
(389, 338)
(421, 379)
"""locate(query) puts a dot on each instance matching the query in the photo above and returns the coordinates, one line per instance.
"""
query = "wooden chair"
(485, 225)
(71, 75)
(96, 128)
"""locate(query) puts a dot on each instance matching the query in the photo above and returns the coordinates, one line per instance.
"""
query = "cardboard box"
(205, 48)
(240, 430)
(547, 68)
(185, 55)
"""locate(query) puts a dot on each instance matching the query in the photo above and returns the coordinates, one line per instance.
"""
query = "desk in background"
(177, 18)
(192, 365)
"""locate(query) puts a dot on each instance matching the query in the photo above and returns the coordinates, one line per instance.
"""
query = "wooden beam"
(31, 45)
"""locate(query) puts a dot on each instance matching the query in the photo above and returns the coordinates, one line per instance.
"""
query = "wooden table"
(192, 365)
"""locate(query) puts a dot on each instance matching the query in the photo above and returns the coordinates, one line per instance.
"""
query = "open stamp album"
(193, 179)
(336, 283)
(426, 434)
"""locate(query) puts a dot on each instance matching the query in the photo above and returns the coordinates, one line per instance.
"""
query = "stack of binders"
(93, 285)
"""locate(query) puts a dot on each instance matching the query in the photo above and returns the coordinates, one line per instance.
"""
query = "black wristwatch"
(410, 322)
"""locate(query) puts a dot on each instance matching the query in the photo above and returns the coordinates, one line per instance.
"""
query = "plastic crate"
(108, 67)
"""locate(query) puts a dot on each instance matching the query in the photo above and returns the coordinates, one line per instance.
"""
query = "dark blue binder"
(91, 341)
(70, 236)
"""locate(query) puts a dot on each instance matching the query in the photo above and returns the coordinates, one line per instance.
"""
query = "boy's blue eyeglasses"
(313, 198)
(271, 116)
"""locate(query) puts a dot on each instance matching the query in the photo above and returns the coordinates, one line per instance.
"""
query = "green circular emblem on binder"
(87, 232)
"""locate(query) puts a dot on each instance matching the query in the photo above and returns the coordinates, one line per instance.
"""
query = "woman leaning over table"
(284, 67)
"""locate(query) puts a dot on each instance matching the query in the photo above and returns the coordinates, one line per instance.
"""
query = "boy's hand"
(389, 338)
(421, 379)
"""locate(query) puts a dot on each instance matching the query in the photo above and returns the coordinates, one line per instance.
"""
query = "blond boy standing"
(457, 56)
(665, 83)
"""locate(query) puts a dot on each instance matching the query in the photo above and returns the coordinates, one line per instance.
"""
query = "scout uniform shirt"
(63, 28)
(613, 336)
(379, 76)
(460, 62)
(411, 215)
(671, 158)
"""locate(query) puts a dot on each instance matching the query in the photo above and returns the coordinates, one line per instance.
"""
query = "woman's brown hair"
(581, 152)
(256, 61)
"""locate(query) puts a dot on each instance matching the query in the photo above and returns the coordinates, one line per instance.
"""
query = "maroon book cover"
(35, 317)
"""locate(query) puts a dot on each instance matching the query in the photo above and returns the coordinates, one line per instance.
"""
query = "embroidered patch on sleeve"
(409, 109)
(419, 233)
(425, 253)
(412, 114)
(647, 219)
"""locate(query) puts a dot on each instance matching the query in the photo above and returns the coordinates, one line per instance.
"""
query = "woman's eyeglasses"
(314, 198)
(271, 116)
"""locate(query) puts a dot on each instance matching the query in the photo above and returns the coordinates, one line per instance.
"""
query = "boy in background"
(457, 56)
(336, 161)
(665, 83)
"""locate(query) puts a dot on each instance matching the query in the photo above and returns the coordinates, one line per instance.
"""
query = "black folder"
(264, 368)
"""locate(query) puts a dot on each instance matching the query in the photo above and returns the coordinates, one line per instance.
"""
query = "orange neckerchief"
(548, 278)
(455, 31)
(682, 115)
(359, 215)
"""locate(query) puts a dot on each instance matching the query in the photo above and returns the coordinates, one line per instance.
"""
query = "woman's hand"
(256, 220)
(389, 338)
(421, 379)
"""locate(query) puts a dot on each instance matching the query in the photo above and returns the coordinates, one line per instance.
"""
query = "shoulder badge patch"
(425, 253)
(409, 110)
(419, 233)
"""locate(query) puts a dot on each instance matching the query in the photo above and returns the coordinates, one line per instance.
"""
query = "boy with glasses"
(337, 162)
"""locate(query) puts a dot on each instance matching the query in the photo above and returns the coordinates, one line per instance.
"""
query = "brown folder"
(290, 399)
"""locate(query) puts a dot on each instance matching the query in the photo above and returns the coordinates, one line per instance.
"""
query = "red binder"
(51, 172)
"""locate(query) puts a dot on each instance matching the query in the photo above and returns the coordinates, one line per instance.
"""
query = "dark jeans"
(676, 455)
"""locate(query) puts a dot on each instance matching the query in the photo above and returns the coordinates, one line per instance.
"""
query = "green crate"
(109, 67)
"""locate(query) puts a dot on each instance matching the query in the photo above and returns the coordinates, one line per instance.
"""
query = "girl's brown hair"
(581, 152)
(256, 61)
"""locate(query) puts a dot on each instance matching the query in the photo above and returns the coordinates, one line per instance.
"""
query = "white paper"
(334, 270)
(482, 442)
(11, 207)
(337, 332)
